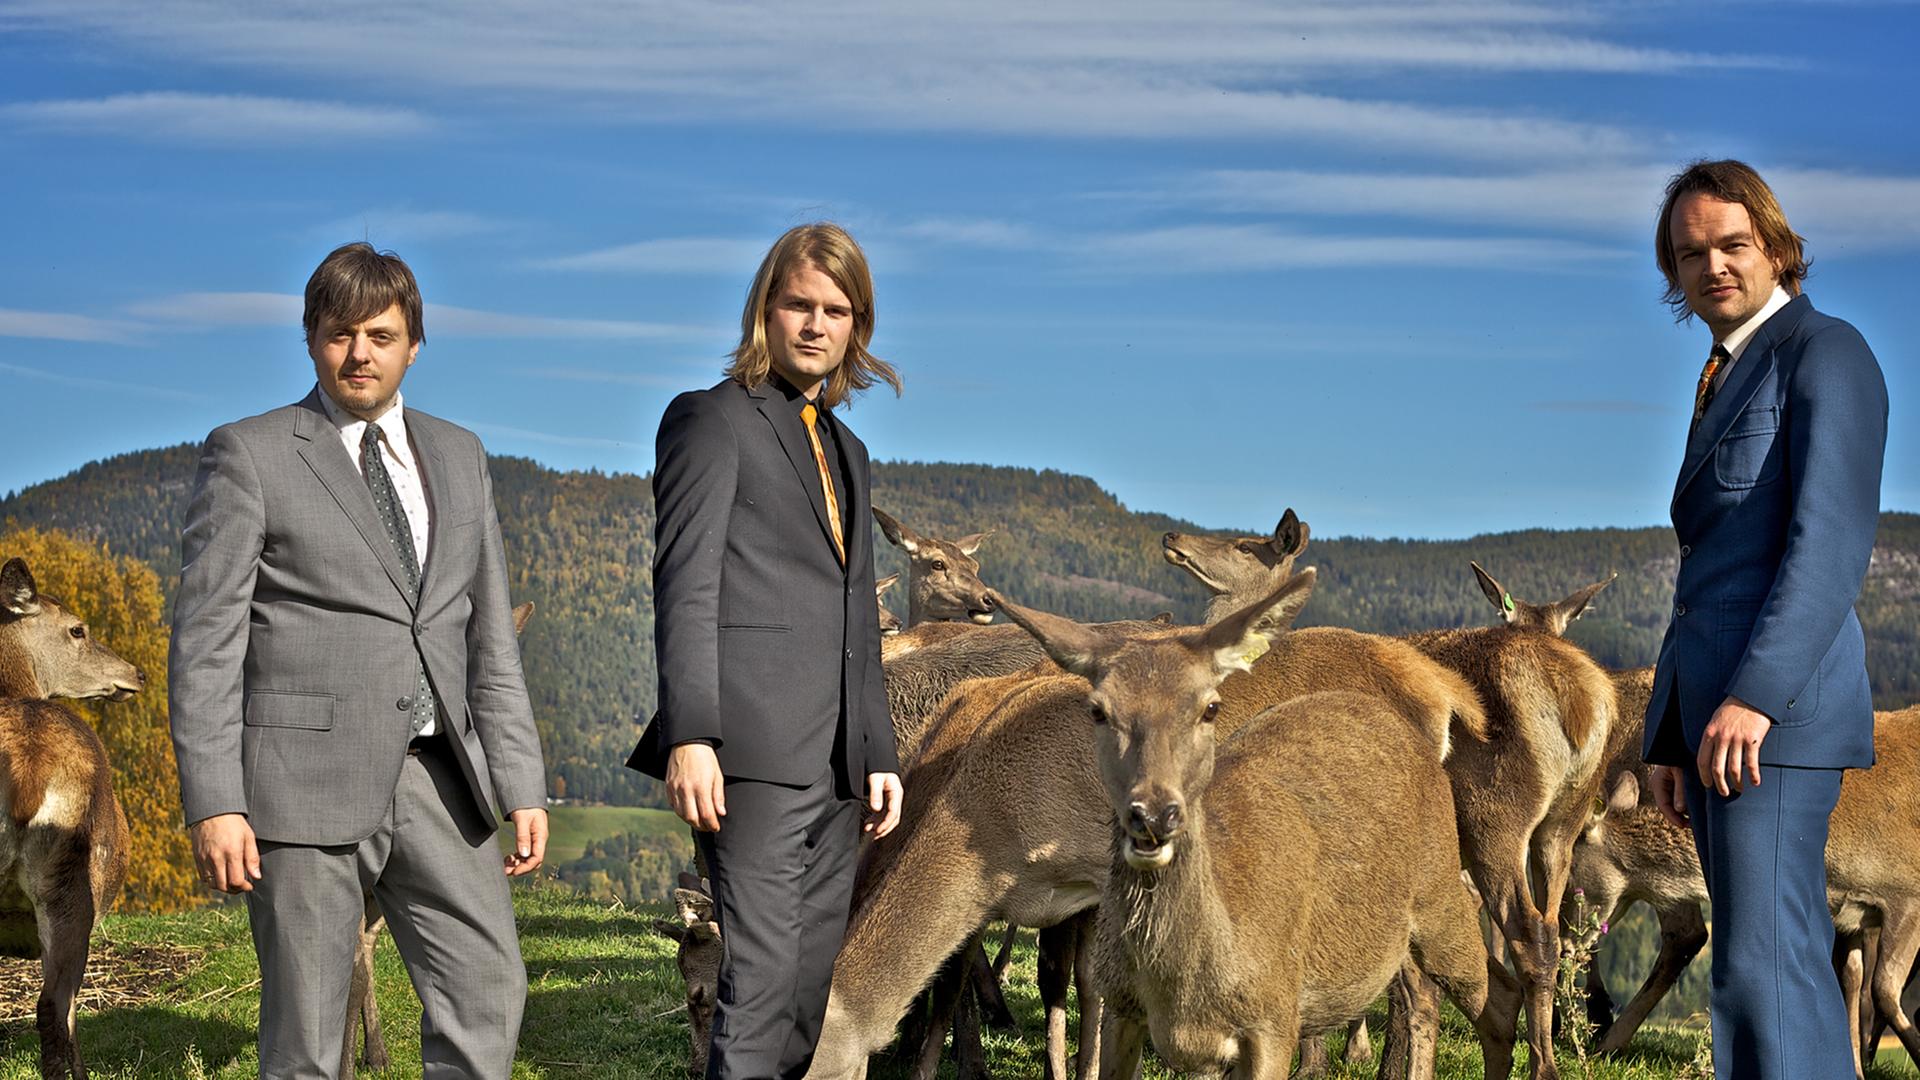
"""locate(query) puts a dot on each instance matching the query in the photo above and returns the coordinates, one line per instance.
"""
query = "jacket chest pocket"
(1751, 452)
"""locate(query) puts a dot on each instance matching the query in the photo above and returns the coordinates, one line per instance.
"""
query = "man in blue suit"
(1761, 699)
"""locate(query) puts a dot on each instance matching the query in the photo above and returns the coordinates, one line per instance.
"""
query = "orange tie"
(807, 415)
(1703, 393)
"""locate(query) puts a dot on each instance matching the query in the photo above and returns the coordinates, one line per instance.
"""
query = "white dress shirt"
(402, 467)
(1736, 342)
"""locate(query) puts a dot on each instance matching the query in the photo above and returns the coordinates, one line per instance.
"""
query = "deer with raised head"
(1008, 816)
(63, 836)
(943, 578)
(1524, 793)
(1271, 881)
(1238, 570)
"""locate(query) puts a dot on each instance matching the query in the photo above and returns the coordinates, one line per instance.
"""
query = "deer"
(1008, 817)
(1523, 794)
(1270, 881)
(943, 578)
(1237, 570)
(890, 624)
(697, 933)
(363, 1007)
(63, 836)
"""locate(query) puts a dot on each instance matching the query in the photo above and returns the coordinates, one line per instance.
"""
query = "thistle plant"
(1584, 929)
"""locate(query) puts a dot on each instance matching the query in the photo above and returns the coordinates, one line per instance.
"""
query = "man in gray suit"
(773, 722)
(347, 704)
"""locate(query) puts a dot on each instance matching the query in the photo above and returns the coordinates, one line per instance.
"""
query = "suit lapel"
(433, 474)
(327, 457)
(799, 450)
(1756, 362)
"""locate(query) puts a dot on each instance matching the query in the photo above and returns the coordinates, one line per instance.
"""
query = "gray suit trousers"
(438, 877)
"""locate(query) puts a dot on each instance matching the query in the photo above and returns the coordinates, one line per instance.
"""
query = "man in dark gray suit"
(347, 704)
(773, 711)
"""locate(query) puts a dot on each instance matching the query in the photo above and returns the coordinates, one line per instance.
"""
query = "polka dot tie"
(394, 517)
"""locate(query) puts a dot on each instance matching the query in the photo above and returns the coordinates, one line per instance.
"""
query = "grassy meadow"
(604, 1003)
(576, 826)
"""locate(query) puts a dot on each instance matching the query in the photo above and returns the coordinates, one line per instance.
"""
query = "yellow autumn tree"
(121, 602)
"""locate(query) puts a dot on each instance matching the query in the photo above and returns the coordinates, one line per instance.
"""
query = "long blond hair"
(825, 247)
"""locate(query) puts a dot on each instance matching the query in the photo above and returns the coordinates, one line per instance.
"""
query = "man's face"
(1724, 270)
(808, 328)
(360, 365)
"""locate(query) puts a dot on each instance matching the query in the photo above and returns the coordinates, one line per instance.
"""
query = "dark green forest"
(580, 546)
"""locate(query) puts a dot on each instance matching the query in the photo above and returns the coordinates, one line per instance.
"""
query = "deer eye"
(1245, 548)
(940, 565)
(1099, 714)
(1211, 712)
(79, 633)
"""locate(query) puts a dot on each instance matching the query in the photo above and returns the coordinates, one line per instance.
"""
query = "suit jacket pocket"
(290, 709)
(1750, 454)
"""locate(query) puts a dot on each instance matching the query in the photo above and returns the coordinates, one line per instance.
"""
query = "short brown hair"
(354, 283)
(828, 248)
(1734, 182)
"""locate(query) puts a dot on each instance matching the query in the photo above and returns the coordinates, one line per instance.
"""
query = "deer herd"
(1232, 838)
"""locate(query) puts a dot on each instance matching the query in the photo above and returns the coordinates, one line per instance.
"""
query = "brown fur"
(63, 836)
(943, 579)
(1005, 819)
(1524, 794)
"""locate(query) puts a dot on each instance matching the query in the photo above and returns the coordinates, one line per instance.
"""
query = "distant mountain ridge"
(580, 545)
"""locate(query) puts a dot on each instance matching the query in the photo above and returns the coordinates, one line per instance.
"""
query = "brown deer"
(698, 934)
(63, 837)
(363, 1006)
(943, 579)
(1271, 881)
(1008, 817)
(1238, 570)
(890, 624)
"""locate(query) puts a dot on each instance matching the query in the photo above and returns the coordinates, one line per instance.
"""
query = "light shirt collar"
(392, 425)
(1736, 342)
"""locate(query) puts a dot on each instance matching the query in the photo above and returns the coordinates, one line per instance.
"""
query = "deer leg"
(63, 908)
(969, 1056)
(1683, 932)
(1058, 953)
(986, 989)
(1092, 1005)
(1003, 959)
(1122, 1041)
(375, 1052)
(1899, 940)
(1850, 966)
(942, 1000)
(1869, 1020)
(1265, 1055)
(1447, 955)
(1505, 889)
(1359, 1047)
(1313, 1057)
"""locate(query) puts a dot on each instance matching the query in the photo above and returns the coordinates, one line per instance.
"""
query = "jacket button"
(1790, 703)
(404, 704)
(849, 654)
(1679, 610)
(1685, 551)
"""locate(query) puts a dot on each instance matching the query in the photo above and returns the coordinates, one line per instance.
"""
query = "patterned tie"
(1703, 393)
(807, 416)
(394, 516)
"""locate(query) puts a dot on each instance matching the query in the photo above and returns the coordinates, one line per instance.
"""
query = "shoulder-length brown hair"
(1734, 182)
(825, 247)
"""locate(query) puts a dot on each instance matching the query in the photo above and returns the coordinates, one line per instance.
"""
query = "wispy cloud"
(213, 118)
(524, 435)
(987, 233)
(673, 255)
(1612, 408)
(389, 224)
(277, 309)
(1082, 68)
(1238, 248)
(61, 326)
(109, 386)
(619, 378)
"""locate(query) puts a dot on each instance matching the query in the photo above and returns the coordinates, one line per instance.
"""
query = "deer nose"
(986, 601)
(1155, 828)
(1170, 537)
(140, 676)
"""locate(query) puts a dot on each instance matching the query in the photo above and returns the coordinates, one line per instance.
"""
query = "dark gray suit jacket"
(767, 646)
(295, 644)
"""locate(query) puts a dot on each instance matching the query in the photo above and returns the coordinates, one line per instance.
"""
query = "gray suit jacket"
(767, 645)
(294, 642)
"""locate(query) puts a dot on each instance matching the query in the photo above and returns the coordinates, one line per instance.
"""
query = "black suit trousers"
(782, 868)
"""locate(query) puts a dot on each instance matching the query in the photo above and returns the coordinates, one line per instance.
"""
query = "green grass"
(575, 826)
(604, 1003)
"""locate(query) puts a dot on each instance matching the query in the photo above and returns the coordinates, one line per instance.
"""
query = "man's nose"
(360, 348)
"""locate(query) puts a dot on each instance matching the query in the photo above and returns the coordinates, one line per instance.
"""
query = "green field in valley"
(574, 826)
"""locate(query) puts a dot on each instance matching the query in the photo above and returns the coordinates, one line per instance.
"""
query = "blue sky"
(1387, 264)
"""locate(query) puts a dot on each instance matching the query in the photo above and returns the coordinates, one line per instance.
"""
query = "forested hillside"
(580, 545)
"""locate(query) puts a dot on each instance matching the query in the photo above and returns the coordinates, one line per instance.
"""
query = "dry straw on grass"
(119, 976)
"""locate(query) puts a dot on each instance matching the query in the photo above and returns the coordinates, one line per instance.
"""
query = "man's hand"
(1731, 746)
(225, 853)
(1669, 784)
(529, 840)
(884, 795)
(695, 789)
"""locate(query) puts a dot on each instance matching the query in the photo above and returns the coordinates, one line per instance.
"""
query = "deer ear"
(1625, 794)
(897, 534)
(970, 544)
(1245, 636)
(18, 595)
(1074, 647)
(1290, 536)
(884, 584)
(1497, 594)
(520, 616)
(1576, 605)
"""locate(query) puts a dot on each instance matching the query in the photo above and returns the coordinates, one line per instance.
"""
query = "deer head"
(1153, 696)
(1240, 569)
(1553, 618)
(889, 622)
(943, 579)
(47, 651)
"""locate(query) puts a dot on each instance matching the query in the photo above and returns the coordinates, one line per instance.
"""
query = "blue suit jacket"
(1775, 511)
